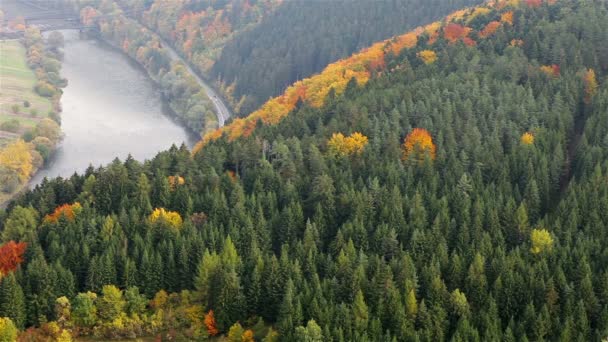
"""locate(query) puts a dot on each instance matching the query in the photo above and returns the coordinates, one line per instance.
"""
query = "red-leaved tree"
(11, 256)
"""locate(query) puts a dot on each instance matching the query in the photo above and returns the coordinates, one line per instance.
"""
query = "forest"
(454, 188)
(302, 37)
(253, 50)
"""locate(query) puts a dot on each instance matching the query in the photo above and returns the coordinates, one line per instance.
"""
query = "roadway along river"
(221, 110)
(110, 109)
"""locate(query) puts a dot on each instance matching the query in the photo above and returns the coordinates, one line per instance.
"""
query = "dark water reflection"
(110, 109)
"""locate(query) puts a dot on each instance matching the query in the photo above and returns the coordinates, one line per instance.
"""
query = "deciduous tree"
(418, 143)
(11, 256)
(541, 241)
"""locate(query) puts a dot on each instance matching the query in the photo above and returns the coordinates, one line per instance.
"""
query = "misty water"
(110, 109)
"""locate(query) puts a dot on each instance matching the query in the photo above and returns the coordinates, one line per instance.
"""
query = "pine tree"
(12, 300)
(360, 313)
(290, 314)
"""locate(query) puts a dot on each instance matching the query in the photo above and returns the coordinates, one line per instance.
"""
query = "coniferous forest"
(460, 194)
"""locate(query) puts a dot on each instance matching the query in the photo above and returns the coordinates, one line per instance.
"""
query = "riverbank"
(135, 64)
(29, 110)
(188, 96)
(111, 110)
(222, 111)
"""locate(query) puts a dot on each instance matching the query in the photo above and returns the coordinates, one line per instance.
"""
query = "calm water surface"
(110, 109)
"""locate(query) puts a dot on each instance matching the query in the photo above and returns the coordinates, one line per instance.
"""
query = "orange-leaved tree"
(453, 32)
(210, 324)
(551, 70)
(68, 211)
(418, 143)
(11, 255)
(507, 17)
(489, 29)
(248, 336)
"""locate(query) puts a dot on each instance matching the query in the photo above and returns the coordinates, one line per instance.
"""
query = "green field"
(17, 82)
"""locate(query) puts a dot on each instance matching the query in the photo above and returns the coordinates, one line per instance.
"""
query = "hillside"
(253, 49)
(302, 37)
(451, 187)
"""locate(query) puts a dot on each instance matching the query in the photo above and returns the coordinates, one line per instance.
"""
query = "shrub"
(44, 89)
(55, 116)
(9, 180)
(28, 135)
(12, 125)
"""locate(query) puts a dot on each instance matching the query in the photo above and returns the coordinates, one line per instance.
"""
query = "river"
(110, 109)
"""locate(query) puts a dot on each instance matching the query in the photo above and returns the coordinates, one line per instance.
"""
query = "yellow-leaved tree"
(174, 181)
(8, 331)
(340, 145)
(527, 138)
(590, 85)
(427, 56)
(171, 218)
(17, 157)
(541, 240)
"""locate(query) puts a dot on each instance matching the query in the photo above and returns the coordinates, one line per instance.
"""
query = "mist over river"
(110, 109)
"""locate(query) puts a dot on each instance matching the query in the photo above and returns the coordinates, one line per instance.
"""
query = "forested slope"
(459, 193)
(302, 37)
(254, 49)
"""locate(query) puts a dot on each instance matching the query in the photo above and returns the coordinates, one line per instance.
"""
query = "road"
(220, 108)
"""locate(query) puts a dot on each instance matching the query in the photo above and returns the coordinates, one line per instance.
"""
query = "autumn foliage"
(88, 15)
(174, 181)
(68, 211)
(418, 143)
(361, 66)
(11, 255)
(590, 85)
(248, 336)
(314, 90)
(551, 70)
(534, 3)
(489, 29)
(17, 157)
(344, 146)
(527, 138)
(210, 324)
(541, 241)
(516, 42)
(172, 218)
(478, 11)
(427, 56)
(507, 17)
(454, 32)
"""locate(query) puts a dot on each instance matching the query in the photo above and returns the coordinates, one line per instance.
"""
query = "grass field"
(17, 82)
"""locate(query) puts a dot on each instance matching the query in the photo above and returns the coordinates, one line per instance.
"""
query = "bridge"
(38, 14)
